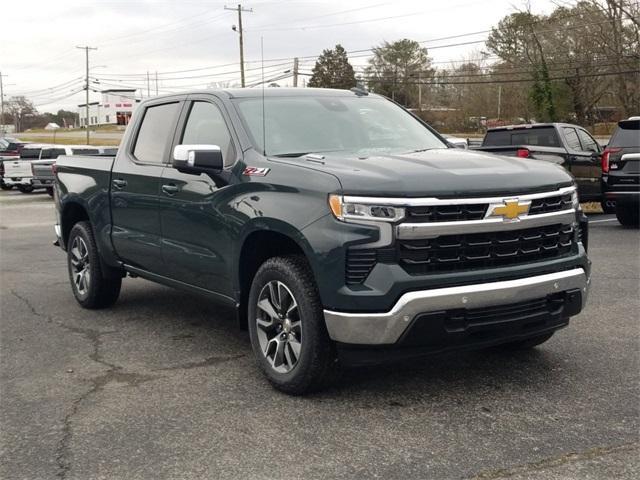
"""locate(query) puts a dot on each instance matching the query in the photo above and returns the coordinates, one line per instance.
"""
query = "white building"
(116, 108)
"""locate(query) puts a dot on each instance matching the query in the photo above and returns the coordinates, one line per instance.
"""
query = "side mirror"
(197, 158)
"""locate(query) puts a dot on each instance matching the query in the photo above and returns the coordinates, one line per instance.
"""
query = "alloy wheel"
(279, 329)
(80, 265)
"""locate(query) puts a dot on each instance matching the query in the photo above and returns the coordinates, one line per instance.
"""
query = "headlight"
(575, 202)
(343, 210)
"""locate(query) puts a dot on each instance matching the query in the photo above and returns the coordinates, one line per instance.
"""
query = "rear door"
(195, 242)
(135, 186)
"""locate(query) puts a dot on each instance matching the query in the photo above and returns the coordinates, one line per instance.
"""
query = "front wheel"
(25, 188)
(50, 191)
(286, 325)
(92, 286)
(4, 186)
(628, 215)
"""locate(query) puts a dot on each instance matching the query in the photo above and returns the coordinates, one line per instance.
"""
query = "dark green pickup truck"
(342, 229)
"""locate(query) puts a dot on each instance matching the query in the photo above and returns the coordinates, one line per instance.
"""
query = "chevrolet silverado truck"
(568, 145)
(342, 229)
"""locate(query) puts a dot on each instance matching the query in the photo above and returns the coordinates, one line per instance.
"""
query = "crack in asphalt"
(114, 373)
(555, 461)
(207, 362)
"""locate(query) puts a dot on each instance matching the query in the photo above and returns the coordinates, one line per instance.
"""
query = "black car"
(621, 171)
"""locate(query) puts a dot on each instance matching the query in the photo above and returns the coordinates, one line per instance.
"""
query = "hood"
(447, 172)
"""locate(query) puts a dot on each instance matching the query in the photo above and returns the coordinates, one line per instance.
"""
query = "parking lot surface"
(164, 385)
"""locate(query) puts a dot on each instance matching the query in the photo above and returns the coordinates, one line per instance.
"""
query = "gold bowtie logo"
(511, 209)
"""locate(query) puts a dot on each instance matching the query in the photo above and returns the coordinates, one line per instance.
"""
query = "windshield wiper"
(291, 155)
(420, 150)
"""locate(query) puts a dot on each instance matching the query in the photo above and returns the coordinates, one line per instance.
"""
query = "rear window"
(52, 153)
(30, 153)
(155, 132)
(84, 151)
(626, 135)
(543, 137)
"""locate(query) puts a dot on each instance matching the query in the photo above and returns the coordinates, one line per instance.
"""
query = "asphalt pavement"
(163, 385)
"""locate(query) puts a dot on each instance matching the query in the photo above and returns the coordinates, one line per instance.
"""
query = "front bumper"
(388, 327)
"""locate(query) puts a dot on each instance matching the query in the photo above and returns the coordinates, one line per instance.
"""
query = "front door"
(135, 188)
(195, 241)
(584, 162)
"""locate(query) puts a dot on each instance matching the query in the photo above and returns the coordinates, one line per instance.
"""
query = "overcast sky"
(39, 58)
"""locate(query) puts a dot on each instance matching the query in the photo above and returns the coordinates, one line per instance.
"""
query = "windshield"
(298, 125)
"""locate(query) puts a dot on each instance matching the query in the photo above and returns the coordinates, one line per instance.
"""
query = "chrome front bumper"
(386, 328)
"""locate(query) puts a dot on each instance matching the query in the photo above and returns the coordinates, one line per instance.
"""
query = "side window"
(155, 132)
(587, 141)
(206, 126)
(45, 154)
(572, 138)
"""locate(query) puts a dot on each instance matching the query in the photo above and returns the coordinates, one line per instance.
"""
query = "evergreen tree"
(333, 70)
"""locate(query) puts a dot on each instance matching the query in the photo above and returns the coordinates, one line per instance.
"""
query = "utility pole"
(156, 83)
(86, 87)
(1, 104)
(419, 91)
(239, 30)
(499, 100)
(295, 71)
(148, 85)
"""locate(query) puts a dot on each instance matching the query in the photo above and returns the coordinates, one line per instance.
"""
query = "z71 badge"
(255, 171)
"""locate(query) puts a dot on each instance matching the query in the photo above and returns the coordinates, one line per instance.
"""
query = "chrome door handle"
(119, 183)
(170, 189)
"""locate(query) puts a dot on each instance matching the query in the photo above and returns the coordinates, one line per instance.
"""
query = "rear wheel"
(93, 285)
(628, 214)
(527, 343)
(4, 186)
(25, 188)
(50, 191)
(286, 325)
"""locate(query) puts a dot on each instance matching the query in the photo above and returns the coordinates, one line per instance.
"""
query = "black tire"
(316, 365)
(101, 288)
(527, 343)
(25, 188)
(628, 215)
(50, 191)
(608, 206)
(4, 186)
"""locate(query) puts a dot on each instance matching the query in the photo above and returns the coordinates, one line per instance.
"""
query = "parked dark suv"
(621, 171)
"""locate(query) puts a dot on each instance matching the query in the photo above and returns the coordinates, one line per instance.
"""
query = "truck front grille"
(446, 213)
(550, 204)
(485, 250)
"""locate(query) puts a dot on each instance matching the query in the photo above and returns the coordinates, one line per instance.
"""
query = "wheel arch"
(264, 241)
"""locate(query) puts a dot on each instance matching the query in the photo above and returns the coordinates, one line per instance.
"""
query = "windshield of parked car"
(362, 125)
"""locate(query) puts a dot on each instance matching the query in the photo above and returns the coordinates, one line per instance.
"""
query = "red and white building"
(116, 108)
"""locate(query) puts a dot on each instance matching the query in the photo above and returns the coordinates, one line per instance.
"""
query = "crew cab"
(621, 171)
(570, 146)
(340, 228)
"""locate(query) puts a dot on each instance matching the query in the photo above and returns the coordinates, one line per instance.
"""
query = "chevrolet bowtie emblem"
(511, 209)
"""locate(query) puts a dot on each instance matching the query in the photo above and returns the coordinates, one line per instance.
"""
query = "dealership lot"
(164, 386)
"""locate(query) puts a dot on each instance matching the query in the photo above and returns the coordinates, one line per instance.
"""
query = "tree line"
(578, 64)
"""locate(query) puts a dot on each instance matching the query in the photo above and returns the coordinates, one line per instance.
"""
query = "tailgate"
(17, 168)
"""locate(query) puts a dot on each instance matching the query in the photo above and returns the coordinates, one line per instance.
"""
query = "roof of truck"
(274, 92)
(531, 125)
